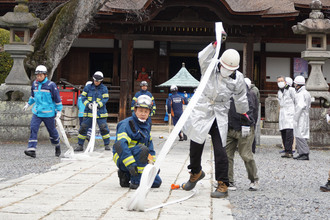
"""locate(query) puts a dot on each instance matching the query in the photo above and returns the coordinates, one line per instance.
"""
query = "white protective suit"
(214, 102)
(286, 101)
(301, 115)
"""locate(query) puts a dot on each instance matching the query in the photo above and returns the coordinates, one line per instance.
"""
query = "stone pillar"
(270, 125)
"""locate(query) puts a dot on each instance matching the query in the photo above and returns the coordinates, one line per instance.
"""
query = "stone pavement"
(89, 189)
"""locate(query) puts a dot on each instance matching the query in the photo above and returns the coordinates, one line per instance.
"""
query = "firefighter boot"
(221, 191)
(79, 148)
(123, 179)
(58, 151)
(30, 153)
(194, 178)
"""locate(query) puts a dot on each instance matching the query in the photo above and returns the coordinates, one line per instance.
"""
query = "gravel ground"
(289, 189)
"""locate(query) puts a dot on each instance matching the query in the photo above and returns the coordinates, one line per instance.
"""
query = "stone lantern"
(316, 29)
(19, 22)
(14, 123)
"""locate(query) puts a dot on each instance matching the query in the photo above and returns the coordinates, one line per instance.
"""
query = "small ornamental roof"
(182, 79)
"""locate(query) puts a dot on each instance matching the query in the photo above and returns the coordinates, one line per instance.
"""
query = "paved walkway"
(89, 189)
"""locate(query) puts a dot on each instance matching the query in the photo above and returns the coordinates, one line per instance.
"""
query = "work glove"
(245, 131)
(328, 119)
(90, 106)
(26, 106)
(133, 170)
(245, 120)
(58, 115)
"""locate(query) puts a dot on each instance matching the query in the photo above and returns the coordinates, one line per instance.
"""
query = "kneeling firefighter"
(133, 148)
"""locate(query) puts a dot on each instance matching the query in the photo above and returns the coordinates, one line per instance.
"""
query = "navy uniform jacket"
(144, 92)
(129, 140)
(95, 93)
(174, 104)
(46, 97)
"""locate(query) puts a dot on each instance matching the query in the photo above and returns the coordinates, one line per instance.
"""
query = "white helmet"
(299, 80)
(174, 88)
(98, 76)
(230, 59)
(288, 81)
(248, 82)
(40, 69)
(143, 101)
(143, 83)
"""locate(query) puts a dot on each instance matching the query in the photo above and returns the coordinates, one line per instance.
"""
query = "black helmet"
(143, 83)
(143, 101)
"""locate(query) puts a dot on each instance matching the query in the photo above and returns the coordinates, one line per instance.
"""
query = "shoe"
(106, 147)
(185, 137)
(232, 187)
(123, 179)
(254, 186)
(221, 191)
(30, 153)
(133, 186)
(282, 151)
(326, 187)
(57, 151)
(286, 155)
(194, 178)
(302, 157)
(79, 148)
(181, 139)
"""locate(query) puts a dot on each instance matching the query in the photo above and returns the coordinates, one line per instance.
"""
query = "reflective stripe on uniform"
(84, 93)
(105, 95)
(128, 161)
(140, 169)
(81, 137)
(106, 136)
(115, 158)
(124, 135)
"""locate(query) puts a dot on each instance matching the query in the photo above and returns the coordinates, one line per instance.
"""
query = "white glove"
(26, 106)
(58, 115)
(328, 119)
(90, 106)
(245, 131)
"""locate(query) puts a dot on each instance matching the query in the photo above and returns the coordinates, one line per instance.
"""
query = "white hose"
(150, 171)
(91, 143)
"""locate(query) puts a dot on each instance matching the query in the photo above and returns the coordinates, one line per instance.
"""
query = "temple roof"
(182, 79)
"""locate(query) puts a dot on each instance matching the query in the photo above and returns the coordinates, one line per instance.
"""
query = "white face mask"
(281, 85)
(225, 72)
(142, 120)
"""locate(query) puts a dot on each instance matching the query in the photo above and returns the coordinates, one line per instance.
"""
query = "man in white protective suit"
(210, 116)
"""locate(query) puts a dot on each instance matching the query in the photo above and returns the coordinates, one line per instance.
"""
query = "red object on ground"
(174, 186)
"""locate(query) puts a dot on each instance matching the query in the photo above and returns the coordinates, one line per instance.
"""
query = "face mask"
(225, 72)
(142, 120)
(281, 85)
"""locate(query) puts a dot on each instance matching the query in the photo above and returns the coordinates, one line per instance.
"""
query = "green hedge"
(6, 62)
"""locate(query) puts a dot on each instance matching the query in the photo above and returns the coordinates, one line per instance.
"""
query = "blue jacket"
(144, 92)
(174, 104)
(81, 107)
(95, 93)
(46, 97)
(129, 140)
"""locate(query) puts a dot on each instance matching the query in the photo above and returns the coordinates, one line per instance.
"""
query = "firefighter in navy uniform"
(99, 93)
(144, 91)
(133, 148)
(47, 104)
(175, 108)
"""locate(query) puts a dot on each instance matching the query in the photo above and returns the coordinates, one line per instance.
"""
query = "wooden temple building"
(162, 34)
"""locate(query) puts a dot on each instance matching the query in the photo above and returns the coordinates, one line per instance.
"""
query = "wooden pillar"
(248, 58)
(115, 75)
(262, 80)
(126, 74)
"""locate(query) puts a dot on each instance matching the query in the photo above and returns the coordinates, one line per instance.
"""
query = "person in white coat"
(286, 98)
(210, 116)
(301, 118)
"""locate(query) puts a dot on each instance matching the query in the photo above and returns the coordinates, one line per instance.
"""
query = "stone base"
(15, 123)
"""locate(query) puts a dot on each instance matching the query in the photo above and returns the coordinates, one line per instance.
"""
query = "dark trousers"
(50, 125)
(220, 156)
(287, 139)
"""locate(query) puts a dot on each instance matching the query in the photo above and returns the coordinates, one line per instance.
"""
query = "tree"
(53, 39)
